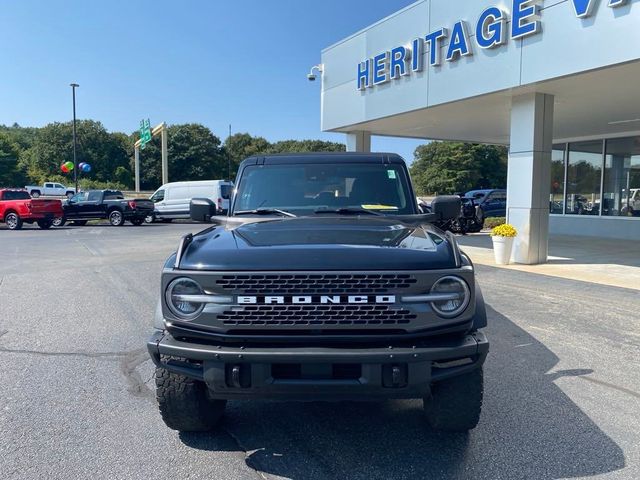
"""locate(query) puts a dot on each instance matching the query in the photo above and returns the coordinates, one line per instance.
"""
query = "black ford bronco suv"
(323, 282)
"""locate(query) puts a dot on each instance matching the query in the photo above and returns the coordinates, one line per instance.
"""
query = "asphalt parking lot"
(561, 398)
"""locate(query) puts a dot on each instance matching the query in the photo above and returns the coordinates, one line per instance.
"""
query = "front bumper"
(319, 373)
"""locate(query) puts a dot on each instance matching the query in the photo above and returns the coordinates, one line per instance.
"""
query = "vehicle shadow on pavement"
(529, 429)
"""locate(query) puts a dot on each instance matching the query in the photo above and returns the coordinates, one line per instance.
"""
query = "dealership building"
(558, 81)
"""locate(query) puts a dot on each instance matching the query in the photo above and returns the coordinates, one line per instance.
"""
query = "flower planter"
(502, 247)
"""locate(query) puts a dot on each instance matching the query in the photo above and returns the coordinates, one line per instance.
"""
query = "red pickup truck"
(17, 207)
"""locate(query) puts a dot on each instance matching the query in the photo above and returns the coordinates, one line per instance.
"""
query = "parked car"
(100, 204)
(17, 207)
(466, 222)
(631, 204)
(297, 295)
(489, 203)
(172, 199)
(50, 189)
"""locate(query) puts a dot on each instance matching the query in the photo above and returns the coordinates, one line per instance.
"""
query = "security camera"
(312, 76)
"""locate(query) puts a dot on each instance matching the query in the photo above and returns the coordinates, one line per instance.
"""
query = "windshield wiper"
(265, 211)
(347, 211)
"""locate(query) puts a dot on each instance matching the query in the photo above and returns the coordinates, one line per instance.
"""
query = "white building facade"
(558, 81)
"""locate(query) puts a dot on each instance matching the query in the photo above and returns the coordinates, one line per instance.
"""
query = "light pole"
(229, 158)
(75, 159)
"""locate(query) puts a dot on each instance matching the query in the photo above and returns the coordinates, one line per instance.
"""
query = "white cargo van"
(172, 199)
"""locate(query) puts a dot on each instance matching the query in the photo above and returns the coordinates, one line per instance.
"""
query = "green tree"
(449, 167)
(11, 175)
(53, 145)
(194, 153)
(123, 176)
(293, 146)
(242, 145)
(23, 136)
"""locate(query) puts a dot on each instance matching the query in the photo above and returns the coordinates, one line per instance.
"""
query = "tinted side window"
(93, 197)
(9, 195)
(113, 195)
(79, 197)
(501, 196)
(158, 196)
(225, 191)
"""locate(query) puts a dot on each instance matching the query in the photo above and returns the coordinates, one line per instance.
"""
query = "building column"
(529, 175)
(359, 142)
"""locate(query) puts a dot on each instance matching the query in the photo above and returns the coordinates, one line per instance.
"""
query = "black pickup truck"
(324, 282)
(101, 204)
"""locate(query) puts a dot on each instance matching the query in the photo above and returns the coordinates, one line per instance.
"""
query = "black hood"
(319, 243)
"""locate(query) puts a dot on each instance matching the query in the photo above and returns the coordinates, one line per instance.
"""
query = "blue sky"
(214, 62)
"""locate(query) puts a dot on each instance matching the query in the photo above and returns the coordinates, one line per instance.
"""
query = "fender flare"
(8, 211)
(480, 317)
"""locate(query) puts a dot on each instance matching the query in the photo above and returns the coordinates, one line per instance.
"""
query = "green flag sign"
(145, 132)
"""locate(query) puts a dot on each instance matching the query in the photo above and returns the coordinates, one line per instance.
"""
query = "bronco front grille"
(307, 284)
(319, 316)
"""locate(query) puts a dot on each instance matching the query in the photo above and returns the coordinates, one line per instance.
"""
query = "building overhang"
(589, 63)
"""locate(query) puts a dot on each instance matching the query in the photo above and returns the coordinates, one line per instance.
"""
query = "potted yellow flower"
(502, 237)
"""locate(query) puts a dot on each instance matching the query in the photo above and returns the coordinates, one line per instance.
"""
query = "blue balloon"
(86, 168)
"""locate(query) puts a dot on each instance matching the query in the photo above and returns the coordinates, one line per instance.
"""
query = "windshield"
(303, 189)
(477, 195)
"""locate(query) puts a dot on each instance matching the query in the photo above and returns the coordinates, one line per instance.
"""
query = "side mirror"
(202, 209)
(446, 207)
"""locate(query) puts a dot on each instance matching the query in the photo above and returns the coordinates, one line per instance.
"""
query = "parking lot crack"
(89, 249)
(63, 354)
(247, 455)
(611, 385)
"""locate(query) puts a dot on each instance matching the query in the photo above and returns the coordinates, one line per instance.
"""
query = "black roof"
(323, 157)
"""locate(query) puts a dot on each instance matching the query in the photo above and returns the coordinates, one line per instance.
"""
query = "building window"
(621, 195)
(584, 175)
(556, 196)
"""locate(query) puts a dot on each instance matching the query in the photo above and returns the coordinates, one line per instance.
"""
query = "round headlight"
(455, 294)
(180, 306)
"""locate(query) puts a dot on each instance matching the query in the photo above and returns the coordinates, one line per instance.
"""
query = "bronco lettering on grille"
(310, 299)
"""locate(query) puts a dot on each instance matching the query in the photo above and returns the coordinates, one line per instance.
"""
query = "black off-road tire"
(45, 224)
(455, 403)
(116, 218)
(184, 404)
(13, 221)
